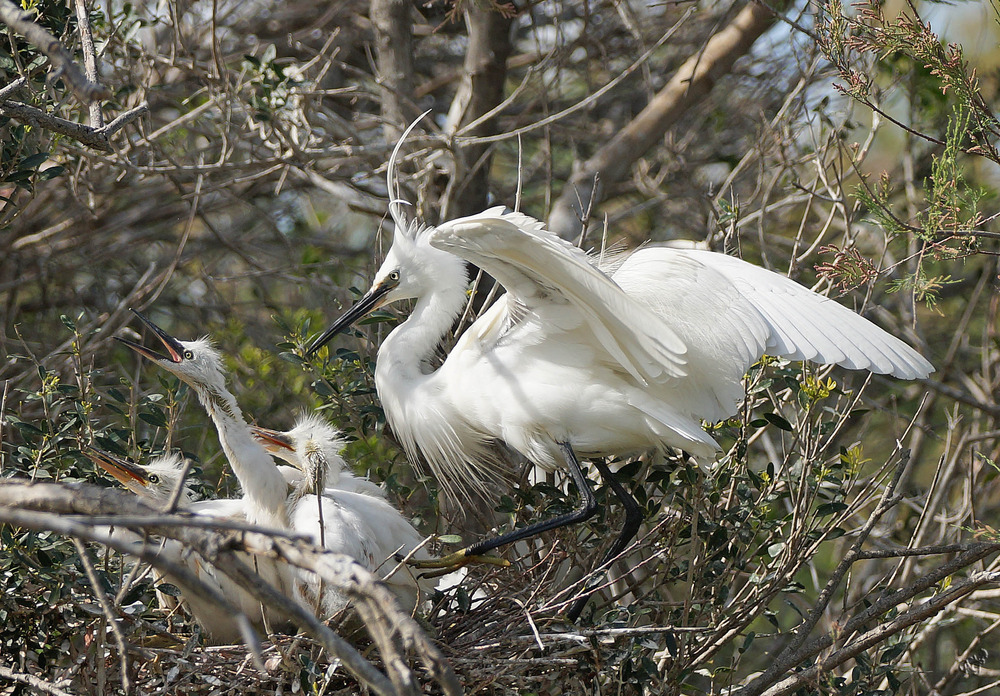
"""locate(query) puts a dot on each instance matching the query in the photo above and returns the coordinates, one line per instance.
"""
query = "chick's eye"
(394, 276)
(153, 478)
(188, 355)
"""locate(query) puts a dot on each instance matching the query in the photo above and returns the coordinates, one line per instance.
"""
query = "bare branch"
(692, 82)
(20, 21)
(89, 58)
(97, 138)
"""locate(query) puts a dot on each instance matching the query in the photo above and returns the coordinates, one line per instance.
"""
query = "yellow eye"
(154, 478)
(188, 355)
(394, 276)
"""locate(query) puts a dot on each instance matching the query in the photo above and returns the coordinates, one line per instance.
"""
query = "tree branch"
(89, 59)
(481, 90)
(45, 506)
(394, 56)
(20, 21)
(97, 138)
(691, 83)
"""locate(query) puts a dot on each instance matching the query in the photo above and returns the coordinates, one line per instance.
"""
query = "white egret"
(286, 445)
(156, 482)
(265, 490)
(575, 362)
(337, 513)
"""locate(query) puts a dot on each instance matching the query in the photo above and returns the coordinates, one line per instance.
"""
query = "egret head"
(312, 446)
(412, 269)
(155, 481)
(196, 362)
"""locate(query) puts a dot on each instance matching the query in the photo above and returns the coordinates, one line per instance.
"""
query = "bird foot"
(454, 561)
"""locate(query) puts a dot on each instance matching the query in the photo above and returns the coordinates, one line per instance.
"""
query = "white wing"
(805, 325)
(537, 267)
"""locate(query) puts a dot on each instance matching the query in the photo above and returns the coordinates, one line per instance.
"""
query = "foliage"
(249, 202)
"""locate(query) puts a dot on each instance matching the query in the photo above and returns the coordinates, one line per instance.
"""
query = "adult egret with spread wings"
(574, 361)
(353, 519)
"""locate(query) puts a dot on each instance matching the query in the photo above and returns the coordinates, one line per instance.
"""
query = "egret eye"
(188, 355)
(154, 478)
(394, 276)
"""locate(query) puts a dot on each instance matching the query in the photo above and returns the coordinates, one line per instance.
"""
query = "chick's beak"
(272, 440)
(175, 351)
(127, 473)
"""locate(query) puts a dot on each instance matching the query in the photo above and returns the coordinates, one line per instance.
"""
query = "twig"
(32, 681)
(97, 138)
(109, 612)
(89, 58)
(884, 630)
(21, 22)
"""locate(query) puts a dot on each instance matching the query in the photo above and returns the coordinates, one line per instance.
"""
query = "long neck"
(264, 488)
(406, 352)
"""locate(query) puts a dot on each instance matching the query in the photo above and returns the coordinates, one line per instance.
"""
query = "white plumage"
(156, 482)
(575, 361)
(349, 517)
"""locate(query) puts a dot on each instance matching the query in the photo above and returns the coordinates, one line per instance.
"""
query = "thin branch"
(876, 635)
(20, 21)
(89, 58)
(109, 612)
(97, 138)
(32, 681)
(692, 82)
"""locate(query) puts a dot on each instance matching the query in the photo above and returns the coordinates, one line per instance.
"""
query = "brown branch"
(97, 138)
(220, 550)
(20, 21)
(691, 83)
(888, 601)
(89, 59)
(394, 57)
(480, 91)
(884, 630)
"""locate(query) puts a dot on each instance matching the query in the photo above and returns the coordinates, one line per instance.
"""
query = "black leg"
(586, 510)
(633, 519)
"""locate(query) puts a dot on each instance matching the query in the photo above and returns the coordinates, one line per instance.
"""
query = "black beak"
(371, 301)
(175, 350)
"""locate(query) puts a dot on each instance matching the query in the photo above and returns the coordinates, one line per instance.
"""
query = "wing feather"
(808, 326)
(536, 266)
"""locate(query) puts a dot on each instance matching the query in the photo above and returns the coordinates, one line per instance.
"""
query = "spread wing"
(537, 267)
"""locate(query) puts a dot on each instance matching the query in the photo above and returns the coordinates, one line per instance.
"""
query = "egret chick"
(265, 491)
(156, 482)
(310, 427)
(573, 362)
(363, 526)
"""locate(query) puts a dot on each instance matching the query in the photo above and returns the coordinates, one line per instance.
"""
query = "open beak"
(175, 350)
(127, 473)
(272, 440)
(371, 301)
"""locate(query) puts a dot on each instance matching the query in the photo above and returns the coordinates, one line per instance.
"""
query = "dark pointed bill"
(125, 471)
(271, 439)
(370, 302)
(175, 350)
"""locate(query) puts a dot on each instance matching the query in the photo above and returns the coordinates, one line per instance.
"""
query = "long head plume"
(392, 179)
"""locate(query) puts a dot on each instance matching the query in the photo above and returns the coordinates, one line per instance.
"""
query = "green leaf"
(450, 539)
(777, 421)
(32, 161)
(830, 508)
